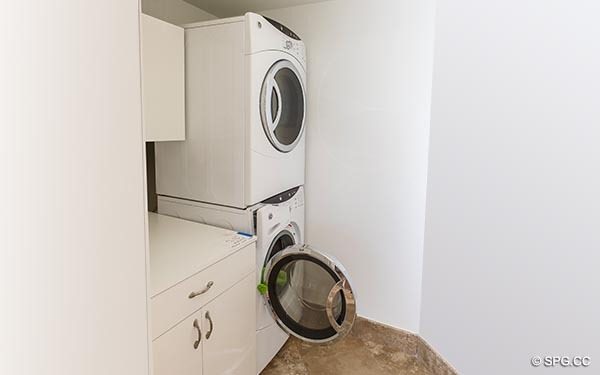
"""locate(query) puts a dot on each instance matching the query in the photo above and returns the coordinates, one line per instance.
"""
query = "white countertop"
(179, 249)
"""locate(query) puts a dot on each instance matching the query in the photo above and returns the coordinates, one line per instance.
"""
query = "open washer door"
(309, 295)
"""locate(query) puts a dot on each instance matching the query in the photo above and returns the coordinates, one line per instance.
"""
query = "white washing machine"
(300, 291)
(245, 114)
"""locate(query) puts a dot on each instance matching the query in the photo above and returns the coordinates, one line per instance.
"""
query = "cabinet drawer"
(174, 304)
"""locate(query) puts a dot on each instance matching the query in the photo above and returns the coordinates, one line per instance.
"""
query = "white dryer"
(300, 291)
(245, 114)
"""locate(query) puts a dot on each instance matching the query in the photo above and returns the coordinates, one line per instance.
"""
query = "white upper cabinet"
(163, 80)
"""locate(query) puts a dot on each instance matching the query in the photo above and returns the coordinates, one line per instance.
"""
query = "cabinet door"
(179, 351)
(230, 324)
(163, 80)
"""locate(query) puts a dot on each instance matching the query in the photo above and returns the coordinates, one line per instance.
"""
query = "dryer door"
(310, 295)
(283, 106)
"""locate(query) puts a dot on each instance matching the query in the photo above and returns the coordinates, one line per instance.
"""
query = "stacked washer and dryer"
(241, 167)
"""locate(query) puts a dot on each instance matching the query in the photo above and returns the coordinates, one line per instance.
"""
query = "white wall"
(72, 224)
(512, 247)
(369, 69)
(177, 12)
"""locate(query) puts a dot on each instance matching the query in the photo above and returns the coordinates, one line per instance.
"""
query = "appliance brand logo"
(288, 44)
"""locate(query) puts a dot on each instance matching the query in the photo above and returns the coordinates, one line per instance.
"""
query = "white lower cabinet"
(203, 305)
(176, 352)
(216, 340)
(231, 346)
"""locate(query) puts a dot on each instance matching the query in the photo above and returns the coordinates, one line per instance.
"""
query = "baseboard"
(432, 360)
(407, 342)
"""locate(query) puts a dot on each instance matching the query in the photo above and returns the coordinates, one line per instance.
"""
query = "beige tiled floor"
(351, 356)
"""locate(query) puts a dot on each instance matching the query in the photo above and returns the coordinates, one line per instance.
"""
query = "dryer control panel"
(282, 28)
(265, 34)
(290, 42)
(294, 48)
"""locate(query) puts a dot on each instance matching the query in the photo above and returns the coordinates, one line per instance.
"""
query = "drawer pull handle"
(210, 330)
(200, 292)
(197, 326)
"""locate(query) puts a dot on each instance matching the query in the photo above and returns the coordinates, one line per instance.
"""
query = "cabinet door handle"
(200, 292)
(197, 326)
(210, 330)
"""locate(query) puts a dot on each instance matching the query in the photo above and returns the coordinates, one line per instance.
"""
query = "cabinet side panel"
(73, 296)
(209, 165)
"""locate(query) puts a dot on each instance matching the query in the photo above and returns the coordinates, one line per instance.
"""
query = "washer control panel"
(298, 201)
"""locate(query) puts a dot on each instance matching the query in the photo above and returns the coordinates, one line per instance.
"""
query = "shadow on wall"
(151, 177)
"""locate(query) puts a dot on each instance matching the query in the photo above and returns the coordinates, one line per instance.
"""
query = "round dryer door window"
(282, 106)
(310, 295)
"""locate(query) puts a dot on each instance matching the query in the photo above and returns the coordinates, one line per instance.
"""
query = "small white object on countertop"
(180, 249)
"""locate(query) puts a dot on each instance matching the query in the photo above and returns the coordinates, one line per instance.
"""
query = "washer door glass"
(282, 106)
(310, 295)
